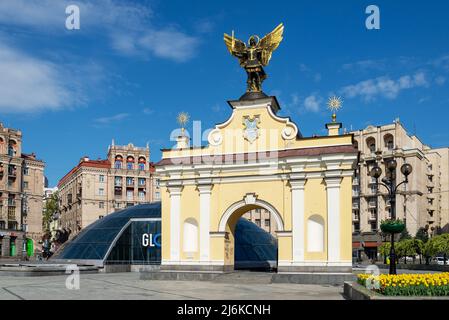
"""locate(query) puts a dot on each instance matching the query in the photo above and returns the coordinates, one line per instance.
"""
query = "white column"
(333, 219)
(175, 223)
(205, 192)
(297, 189)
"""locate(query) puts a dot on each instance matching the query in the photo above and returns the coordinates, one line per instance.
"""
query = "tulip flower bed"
(407, 284)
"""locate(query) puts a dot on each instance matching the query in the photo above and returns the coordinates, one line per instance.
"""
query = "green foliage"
(51, 207)
(405, 235)
(422, 235)
(384, 249)
(429, 248)
(442, 244)
(420, 290)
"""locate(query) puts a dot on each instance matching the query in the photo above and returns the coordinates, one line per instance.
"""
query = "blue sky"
(134, 65)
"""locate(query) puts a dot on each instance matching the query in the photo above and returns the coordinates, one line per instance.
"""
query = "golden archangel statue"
(254, 56)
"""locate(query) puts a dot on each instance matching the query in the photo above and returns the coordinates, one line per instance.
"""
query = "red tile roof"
(89, 163)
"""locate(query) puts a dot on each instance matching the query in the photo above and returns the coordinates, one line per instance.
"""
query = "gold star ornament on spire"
(334, 104)
(183, 119)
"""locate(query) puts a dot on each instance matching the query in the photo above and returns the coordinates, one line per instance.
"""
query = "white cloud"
(170, 44)
(364, 65)
(110, 119)
(440, 80)
(385, 87)
(29, 84)
(148, 111)
(312, 103)
(128, 26)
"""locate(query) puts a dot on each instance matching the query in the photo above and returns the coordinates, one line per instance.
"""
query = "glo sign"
(151, 240)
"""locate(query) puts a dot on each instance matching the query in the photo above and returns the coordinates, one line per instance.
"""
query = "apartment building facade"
(21, 193)
(262, 218)
(421, 202)
(95, 188)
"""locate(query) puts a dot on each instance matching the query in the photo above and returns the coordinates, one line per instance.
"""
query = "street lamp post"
(389, 183)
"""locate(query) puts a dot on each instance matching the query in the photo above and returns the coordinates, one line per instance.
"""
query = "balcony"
(12, 173)
(11, 203)
(12, 214)
(372, 204)
(130, 184)
(372, 217)
(355, 217)
(355, 205)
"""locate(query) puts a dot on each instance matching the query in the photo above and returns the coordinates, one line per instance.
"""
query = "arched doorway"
(247, 245)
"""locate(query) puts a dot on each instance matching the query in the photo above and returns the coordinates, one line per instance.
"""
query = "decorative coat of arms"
(251, 132)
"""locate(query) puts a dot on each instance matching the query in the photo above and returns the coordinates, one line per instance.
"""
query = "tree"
(430, 250)
(404, 235)
(418, 244)
(406, 248)
(442, 245)
(422, 235)
(384, 249)
(51, 207)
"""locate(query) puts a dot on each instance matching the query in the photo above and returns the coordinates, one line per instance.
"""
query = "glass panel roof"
(93, 242)
(253, 243)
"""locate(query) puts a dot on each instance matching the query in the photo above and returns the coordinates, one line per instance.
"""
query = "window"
(25, 184)
(430, 178)
(374, 189)
(129, 181)
(101, 192)
(11, 151)
(389, 141)
(100, 217)
(101, 205)
(267, 223)
(371, 144)
(141, 166)
(129, 195)
(157, 195)
(355, 215)
(356, 227)
(158, 183)
(141, 195)
(258, 210)
(373, 214)
(373, 226)
(130, 163)
(69, 198)
(129, 204)
(118, 181)
(258, 222)
(26, 171)
(355, 191)
(101, 178)
(142, 181)
(118, 164)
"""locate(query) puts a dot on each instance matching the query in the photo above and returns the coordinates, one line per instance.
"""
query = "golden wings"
(267, 44)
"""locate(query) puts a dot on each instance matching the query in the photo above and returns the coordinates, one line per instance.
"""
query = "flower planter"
(392, 227)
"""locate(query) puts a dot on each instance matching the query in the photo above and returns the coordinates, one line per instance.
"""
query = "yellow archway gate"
(259, 159)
